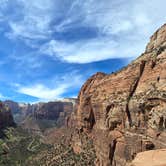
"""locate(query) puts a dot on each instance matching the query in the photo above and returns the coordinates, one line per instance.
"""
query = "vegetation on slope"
(18, 147)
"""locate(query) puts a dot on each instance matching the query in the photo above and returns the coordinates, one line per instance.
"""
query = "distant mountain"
(41, 115)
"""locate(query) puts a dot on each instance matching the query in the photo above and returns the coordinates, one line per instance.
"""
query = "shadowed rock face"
(6, 118)
(14, 106)
(125, 112)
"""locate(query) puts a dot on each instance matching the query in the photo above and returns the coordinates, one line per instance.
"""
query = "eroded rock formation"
(125, 112)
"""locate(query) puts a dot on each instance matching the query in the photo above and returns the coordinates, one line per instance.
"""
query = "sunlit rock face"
(125, 112)
(150, 158)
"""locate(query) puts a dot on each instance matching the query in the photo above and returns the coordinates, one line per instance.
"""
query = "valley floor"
(20, 148)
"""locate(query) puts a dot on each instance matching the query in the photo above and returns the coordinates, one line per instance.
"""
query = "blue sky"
(48, 48)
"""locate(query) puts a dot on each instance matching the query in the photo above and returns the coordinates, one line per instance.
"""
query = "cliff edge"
(125, 112)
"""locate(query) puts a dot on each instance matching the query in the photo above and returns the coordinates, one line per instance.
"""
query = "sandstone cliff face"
(53, 110)
(150, 158)
(58, 110)
(6, 118)
(125, 112)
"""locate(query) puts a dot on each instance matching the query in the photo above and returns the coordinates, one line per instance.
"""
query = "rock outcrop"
(125, 112)
(150, 158)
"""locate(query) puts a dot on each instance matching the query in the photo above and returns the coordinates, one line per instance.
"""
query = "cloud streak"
(35, 17)
(117, 22)
(88, 51)
(46, 93)
(42, 40)
(42, 92)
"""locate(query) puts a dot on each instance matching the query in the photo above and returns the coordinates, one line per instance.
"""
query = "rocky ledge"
(125, 112)
(150, 158)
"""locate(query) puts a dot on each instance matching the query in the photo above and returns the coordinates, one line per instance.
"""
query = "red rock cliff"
(125, 112)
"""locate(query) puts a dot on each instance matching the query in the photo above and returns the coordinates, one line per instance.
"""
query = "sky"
(49, 48)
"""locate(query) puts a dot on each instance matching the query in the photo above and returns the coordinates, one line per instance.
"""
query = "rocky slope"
(125, 112)
(6, 118)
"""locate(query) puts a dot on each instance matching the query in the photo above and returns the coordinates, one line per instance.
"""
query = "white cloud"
(42, 92)
(35, 17)
(124, 27)
(2, 97)
(119, 17)
(46, 93)
(81, 51)
(88, 51)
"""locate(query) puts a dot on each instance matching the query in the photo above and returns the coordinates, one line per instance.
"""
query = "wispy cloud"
(114, 17)
(42, 40)
(47, 92)
(2, 97)
(118, 23)
(35, 20)
(88, 51)
(42, 92)
(125, 28)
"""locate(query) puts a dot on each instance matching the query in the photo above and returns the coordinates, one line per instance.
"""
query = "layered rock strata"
(125, 112)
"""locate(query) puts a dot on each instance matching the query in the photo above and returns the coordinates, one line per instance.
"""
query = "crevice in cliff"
(153, 64)
(91, 120)
(132, 91)
(112, 151)
(128, 114)
(161, 123)
(157, 98)
(108, 109)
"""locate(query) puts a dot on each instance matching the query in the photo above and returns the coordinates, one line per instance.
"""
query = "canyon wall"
(6, 118)
(56, 110)
(125, 112)
(52, 110)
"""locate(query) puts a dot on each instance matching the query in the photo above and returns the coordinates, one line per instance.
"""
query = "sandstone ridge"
(125, 112)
